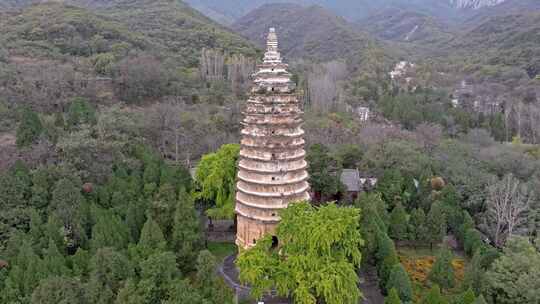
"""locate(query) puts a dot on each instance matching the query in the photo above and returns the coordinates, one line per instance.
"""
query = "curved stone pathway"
(368, 284)
(229, 272)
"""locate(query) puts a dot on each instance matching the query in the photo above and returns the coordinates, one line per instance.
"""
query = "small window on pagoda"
(254, 241)
(275, 242)
(273, 131)
(272, 89)
(273, 155)
(273, 178)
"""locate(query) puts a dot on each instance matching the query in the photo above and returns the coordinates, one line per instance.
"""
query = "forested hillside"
(431, 111)
(509, 40)
(406, 26)
(305, 32)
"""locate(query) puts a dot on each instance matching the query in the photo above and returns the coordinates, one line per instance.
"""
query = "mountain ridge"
(312, 32)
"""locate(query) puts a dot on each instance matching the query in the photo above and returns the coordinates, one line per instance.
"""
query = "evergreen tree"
(54, 262)
(80, 263)
(162, 209)
(26, 271)
(453, 213)
(66, 200)
(36, 231)
(136, 217)
(151, 242)
(131, 294)
(40, 191)
(386, 258)
(324, 171)
(186, 235)
(157, 275)
(399, 280)
(370, 223)
(13, 191)
(468, 223)
(109, 231)
(80, 111)
(442, 272)
(108, 270)
(59, 290)
(30, 128)
(391, 186)
(436, 224)
(466, 297)
(151, 173)
(177, 175)
(393, 297)
(473, 241)
(374, 201)
(434, 296)
(209, 284)
(181, 292)
(474, 274)
(54, 230)
(417, 226)
(398, 223)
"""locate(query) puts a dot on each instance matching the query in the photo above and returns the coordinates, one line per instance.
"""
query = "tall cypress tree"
(151, 242)
(208, 283)
(109, 231)
(400, 281)
(393, 297)
(436, 224)
(398, 223)
(442, 272)
(386, 257)
(417, 226)
(54, 262)
(434, 296)
(474, 274)
(30, 128)
(54, 290)
(186, 235)
(108, 271)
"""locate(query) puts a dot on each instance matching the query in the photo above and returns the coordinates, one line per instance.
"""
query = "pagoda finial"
(272, 54)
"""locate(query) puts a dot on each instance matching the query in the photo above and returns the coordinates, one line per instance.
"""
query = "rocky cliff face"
(475, 4)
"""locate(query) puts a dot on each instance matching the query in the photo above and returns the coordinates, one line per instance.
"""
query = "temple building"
(272, 169)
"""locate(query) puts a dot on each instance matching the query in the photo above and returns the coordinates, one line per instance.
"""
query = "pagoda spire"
(272, 54)
(272, 168)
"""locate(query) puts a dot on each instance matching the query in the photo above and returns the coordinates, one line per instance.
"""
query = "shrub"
(399, 280)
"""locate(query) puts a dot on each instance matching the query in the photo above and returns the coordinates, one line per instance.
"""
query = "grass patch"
(418, 263)
(221, 250)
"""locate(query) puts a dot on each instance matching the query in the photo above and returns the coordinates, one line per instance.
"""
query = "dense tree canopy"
(322, 246)
(512, 278)
(215, 177)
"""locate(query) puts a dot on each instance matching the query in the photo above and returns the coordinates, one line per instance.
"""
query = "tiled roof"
(351, 179)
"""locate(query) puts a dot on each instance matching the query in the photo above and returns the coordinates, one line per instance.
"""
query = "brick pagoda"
(272, 169)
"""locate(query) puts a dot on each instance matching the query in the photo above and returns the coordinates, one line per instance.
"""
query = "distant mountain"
(227, 11)
(308, 32)
(504, 8)
(350, 9)
(168, 28)
(475, 4)
(511, 39)
(405, 26)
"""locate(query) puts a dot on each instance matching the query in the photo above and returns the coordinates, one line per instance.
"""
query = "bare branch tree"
(508, 202)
